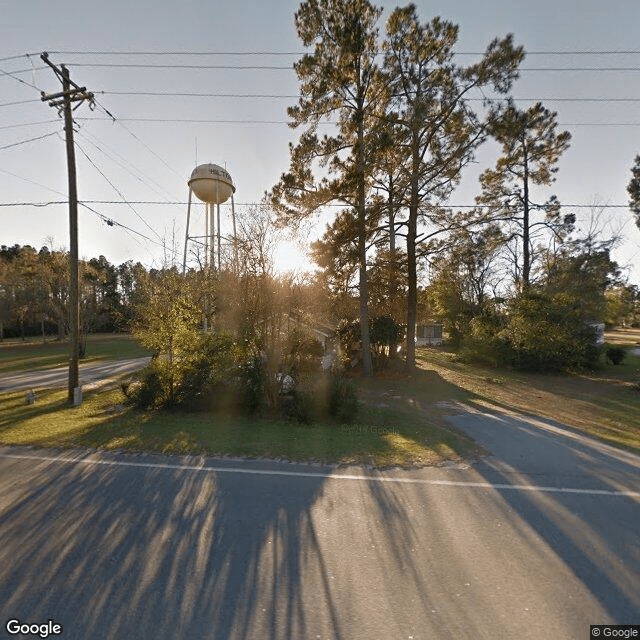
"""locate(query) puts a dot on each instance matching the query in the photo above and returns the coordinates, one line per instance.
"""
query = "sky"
(134, 169)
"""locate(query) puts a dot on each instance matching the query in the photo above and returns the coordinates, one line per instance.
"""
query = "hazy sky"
(150, 151)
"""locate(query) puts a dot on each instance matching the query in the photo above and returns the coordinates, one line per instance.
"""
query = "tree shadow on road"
(579, 511)
(156, 552)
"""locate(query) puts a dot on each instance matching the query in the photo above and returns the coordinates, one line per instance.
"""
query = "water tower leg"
(219, 250)
(186, 236)
(235, 237)
(206, 235)
(212, 236)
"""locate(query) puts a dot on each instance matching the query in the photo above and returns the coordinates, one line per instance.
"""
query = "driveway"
(90, 374)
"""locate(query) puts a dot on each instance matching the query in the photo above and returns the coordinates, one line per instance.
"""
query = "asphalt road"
(91, 373)
(536, 542)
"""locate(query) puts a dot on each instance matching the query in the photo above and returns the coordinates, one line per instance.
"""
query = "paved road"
(90, 373)
(536, 542)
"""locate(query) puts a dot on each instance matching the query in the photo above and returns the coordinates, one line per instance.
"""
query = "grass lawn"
(604, 404)
(402, 421)
(16, 355)
(390, 434)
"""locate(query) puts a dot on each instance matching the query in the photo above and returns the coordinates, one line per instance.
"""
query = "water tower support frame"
(186, 235)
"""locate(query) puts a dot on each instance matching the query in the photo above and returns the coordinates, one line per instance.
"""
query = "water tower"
(212, 185)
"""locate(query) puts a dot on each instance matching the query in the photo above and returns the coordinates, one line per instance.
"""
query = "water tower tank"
(211, 183)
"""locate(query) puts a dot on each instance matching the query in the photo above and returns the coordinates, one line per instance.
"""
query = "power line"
(13, 74)
(173, 53)
(107, 220)
(117, 190)
(125, 164)
(328, 122)
(16, 144)
(580, 69)
(297, 53)
(186, 94)
(289, 68)
(193, 120)
(132, 65)
(239, 67)
(197, 95)
(27, 124)
(248, 121)
(8, 104)
(250, 204)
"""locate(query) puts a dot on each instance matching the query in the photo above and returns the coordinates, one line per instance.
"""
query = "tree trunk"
(412, 271)
(526, 256)
(412, 290)
(367, 368)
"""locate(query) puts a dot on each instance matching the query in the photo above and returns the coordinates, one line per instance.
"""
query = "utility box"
(428, 334)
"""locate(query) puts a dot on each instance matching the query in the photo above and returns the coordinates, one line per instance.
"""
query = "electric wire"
(186, 94)
(15, 102)
(135, 137)
(290, 122)
(13, 74)
(238, 67)
(251, 204)
(297, 53)
(107, 220)
(125, 164)
(27, 124)
(116, 190)
(17, 144)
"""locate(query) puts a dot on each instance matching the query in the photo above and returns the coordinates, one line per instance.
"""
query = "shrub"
(615, 355)
(253, 386)
(206, 373)
(343, 398)
(550, 333)
(540, 332)
(185, 382)
(385, 333)
(297, 405)
(149, 390)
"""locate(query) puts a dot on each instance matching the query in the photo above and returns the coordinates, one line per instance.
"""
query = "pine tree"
(531, 148)
(633, 189)
(338, 80)
(439, 132)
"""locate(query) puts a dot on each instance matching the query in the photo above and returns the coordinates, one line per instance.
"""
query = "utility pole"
(71, 92)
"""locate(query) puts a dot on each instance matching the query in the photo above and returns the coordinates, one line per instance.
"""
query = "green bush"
(206, 373)
(343, 398)
(253, 386)
(615, 355)
(297, 405)
(187, 382)
(539, 332)
(550, 333)
(149, 390)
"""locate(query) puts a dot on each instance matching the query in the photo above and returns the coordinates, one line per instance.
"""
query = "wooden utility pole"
(71, 92)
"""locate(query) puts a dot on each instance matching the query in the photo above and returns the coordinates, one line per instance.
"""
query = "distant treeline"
(34, 292)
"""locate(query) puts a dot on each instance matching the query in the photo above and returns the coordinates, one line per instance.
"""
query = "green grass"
(402, 421)
(397, 433)
(604, 404)
(32, 354)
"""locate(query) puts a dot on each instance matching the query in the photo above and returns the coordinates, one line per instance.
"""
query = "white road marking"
(328, 475)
